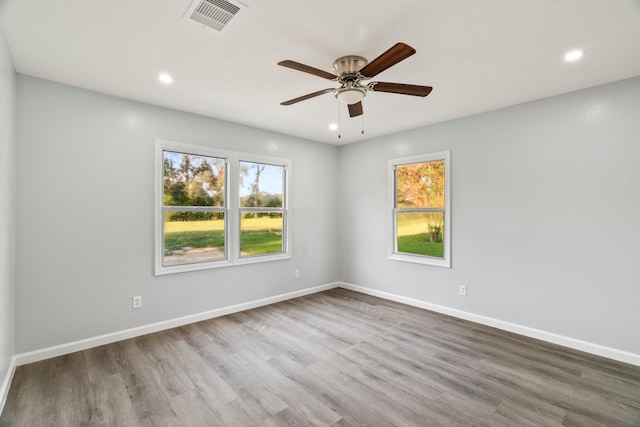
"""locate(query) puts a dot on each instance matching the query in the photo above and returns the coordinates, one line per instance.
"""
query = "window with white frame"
(262, 213)
(420, 209)
(218, 208)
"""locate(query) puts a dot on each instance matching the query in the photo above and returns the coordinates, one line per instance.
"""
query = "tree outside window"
(193, 208)
(420, 209)
(262, 189)
(218, 208)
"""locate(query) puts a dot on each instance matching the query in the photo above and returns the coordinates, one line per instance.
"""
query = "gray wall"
(546, 215)
(85, 216)
(7, 207)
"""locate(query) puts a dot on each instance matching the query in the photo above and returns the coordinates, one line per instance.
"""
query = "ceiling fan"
(350, 71)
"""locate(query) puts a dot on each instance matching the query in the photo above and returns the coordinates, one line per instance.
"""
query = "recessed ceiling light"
(573, 55)
(333, 126)
(165, 78)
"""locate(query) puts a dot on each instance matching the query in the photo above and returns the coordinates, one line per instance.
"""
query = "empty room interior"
(225, 212)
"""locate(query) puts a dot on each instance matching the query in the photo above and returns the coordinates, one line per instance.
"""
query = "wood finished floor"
(332, 358)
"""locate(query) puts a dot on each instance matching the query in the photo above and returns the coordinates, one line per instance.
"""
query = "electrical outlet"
(463, 290)
(297, 273)
(136, 302)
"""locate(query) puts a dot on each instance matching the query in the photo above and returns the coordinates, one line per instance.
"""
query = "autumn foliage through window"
(420, 208)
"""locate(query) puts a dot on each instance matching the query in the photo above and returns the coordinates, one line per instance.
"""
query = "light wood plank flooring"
(333, 358)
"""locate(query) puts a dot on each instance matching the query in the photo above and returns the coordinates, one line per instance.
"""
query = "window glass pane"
(420, 185)
(420, 233)
(192, 180)
(261, 233)
(261, 185)
(191, 237)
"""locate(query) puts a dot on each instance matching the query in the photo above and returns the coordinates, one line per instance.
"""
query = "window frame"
(286, 221)
(231, 207)
(445, 261)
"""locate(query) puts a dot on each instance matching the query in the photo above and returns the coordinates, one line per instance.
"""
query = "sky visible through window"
(271, 180)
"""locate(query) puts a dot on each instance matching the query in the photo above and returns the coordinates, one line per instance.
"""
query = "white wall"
(546, 215)
(85, 216)
(7, 213)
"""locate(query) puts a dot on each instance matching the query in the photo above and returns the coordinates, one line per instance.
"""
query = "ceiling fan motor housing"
(348, 65)
(347, 69)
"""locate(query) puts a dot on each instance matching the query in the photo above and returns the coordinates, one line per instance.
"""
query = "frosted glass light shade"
(350, 95)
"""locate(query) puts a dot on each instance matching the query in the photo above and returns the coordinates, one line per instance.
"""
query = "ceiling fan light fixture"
(350, 94)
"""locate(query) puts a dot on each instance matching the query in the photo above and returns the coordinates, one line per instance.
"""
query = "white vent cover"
(212, 13)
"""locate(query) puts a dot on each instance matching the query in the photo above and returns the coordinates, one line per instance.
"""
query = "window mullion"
(419, 209)
(192, 209)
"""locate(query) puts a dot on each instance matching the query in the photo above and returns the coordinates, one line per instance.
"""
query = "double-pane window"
(420, 209)
(218, 208)
(193, 208)
(262, 213)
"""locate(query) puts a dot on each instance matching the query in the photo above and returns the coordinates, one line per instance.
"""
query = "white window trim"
(232, 211)
(286, 215)
(445, 261)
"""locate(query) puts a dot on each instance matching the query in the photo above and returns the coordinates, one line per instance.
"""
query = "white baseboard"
(46, 353)
(6, 383)
(59, 350)
(611, 353)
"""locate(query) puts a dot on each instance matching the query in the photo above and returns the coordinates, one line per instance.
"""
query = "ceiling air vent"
(213, 13)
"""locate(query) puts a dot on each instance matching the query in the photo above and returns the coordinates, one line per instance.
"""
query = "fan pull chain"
(339, 123)
(362, 125)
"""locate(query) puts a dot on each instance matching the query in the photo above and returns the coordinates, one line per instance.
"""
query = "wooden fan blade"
(307, 69)
(402, 89)
(310, 95)
(395, 54)
(355, 110)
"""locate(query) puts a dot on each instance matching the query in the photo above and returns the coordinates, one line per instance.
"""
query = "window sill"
(185, 268)
(420, 259)
(261, 258)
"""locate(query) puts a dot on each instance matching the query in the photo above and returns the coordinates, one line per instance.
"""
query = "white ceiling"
(477, 55)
